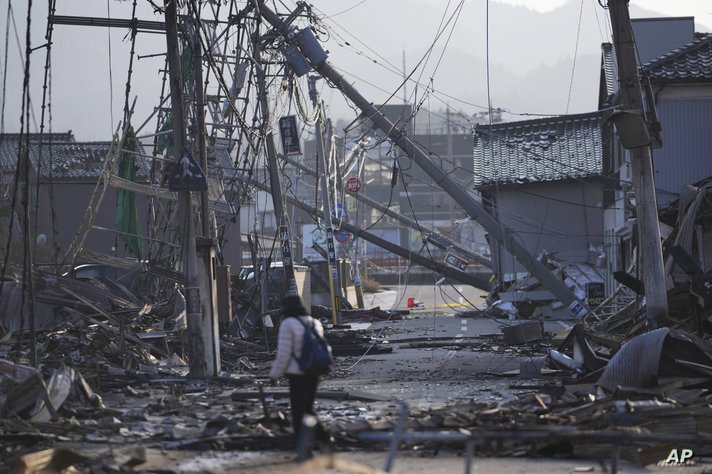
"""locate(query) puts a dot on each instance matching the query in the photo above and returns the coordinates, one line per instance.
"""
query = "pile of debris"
(653, 394)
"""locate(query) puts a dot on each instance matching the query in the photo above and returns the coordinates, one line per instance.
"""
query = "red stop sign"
(353, 184)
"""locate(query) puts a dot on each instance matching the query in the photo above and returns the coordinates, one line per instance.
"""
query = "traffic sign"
(353, 184)
(339, 211)
(455, 261)
(343, 236)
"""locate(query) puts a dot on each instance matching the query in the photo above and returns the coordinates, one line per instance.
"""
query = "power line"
(348, 9)
(573, 66)
(111, 78)
(7, 60)
(384, 63)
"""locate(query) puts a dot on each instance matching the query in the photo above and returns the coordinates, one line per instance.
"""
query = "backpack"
(315, 358)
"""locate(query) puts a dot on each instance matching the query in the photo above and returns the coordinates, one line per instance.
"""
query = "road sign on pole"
(343, 236)
(455, 261)
(353, 184)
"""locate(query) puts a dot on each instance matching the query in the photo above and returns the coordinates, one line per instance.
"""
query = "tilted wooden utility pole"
(315, 55)
(186, 223)
(634, 129)
(277, 199)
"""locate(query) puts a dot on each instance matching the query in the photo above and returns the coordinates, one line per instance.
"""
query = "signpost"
(455, 261)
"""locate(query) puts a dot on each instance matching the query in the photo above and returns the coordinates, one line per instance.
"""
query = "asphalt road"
(428, 378)
(437, 375)
(443, 298)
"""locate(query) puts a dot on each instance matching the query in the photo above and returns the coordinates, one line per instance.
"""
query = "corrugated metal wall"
(687, 138)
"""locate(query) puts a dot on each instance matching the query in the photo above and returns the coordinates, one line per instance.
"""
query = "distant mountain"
(531, 54)
(531, 58)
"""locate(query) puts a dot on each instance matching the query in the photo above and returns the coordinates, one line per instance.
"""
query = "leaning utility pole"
(358, 288)
(186, 223)
(330, 248)
(637, 134)
(313, 55)
(200, 132)
(277, 200)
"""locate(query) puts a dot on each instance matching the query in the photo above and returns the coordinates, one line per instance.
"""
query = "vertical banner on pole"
(290, 135)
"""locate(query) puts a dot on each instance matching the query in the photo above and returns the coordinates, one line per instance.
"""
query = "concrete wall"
(70, 201)
(561, 217)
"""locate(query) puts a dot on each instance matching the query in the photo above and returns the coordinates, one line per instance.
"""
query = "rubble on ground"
(111, 371)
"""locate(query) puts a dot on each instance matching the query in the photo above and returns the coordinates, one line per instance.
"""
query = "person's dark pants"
(302, 391)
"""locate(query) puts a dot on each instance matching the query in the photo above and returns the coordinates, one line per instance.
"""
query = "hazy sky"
(700, 9)
(531, 56)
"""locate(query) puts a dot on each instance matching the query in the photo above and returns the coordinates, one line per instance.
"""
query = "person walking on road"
(302, 387)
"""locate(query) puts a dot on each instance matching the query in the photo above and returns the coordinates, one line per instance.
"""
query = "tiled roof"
(608, 63)
(690, 63)
(69, 158)
(8, 146)
(550, 149)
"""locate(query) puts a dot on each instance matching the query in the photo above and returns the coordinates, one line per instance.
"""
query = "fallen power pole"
(430, 234)
(314, 56)
(442, 269)
(634, 129)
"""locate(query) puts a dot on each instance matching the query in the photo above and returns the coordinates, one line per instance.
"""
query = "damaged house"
(543, 179)
(68, 173)
(677, 63)
(564, 184)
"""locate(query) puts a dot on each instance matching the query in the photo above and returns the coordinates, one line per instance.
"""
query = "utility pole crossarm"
(312, 52)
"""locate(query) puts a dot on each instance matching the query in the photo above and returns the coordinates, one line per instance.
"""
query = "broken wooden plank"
(46, 460)
(330, 461)
(116, 331)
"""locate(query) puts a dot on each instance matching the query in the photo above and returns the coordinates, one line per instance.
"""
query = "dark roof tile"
(62, 157)
(689, 63)
(550, 149)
